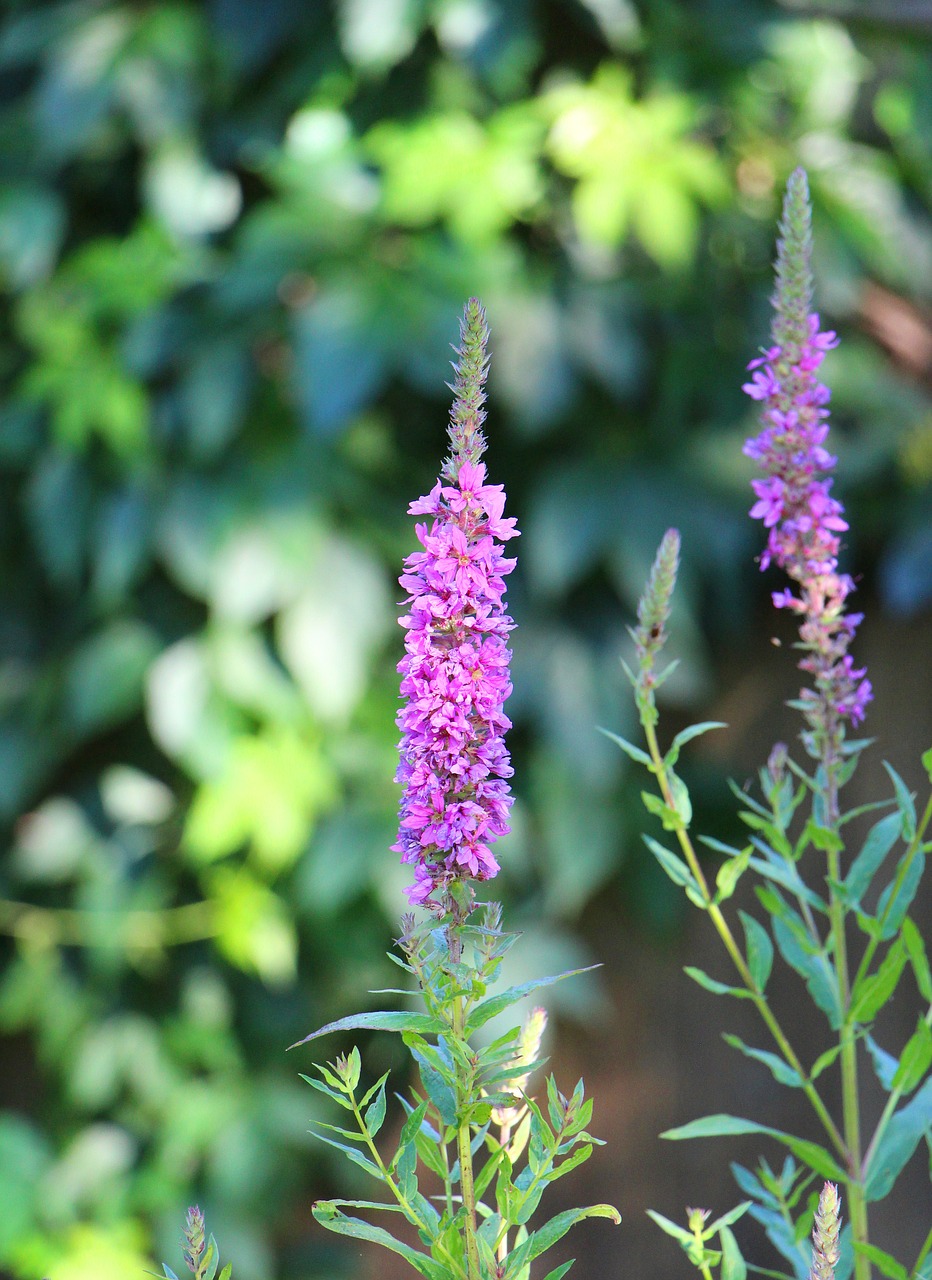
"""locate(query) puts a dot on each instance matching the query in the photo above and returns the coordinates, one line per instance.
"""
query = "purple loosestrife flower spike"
(825, 1235)
(804, 522)
(454, 764)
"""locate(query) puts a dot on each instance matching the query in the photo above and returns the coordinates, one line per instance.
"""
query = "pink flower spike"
(793, 498)
(454, 764)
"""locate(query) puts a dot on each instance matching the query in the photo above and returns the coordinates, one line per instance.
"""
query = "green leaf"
(759, 949)
(885, 1263)
(899, 1141)
(926, 758)
(673, 865)
(680, 1234)
(210, 1261)
(351, 1154)
(824, 1060)
(915, 1059)
(720, 1126)
(880, 840)
(717, 988)
(893, 910)
(916, 950)
(904, 802)
(636, 754)
(493, 1005)
(687, 735)
(729, 873)
(374, 1116)
(329, 1216)
(669, 818)
(412, 1125)
(424, 1023)
(873, 991)
(552, 1231)
(733, 1265)
(559, 1272)
(782, 1072)
(227, 1271)
(727, 1219)
(682, 805)
(813, 968)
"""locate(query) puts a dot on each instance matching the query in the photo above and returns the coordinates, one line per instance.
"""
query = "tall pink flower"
(794, 501)
(454, 764)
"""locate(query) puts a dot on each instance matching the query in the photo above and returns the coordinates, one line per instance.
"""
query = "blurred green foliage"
(235, 239)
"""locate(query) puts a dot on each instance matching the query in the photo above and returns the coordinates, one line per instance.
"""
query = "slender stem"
(731, 946)
(409, 1210)
(464, 1151)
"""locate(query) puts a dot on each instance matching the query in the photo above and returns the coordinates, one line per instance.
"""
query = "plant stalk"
(464, 1152)
(731, 946)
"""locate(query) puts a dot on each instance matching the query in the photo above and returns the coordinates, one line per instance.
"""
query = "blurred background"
(235, 240)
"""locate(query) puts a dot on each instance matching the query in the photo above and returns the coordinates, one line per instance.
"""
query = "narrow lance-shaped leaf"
(496, 1004)
(717, 1126)
(424, 1023)
(329, 1216)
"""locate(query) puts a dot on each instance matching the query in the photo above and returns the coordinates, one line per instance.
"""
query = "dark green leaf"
(329, 1216)
(636, 754)
(885, 1263)
(880, 840)
(374, 1116)
(674, 866)
(892, 910)
(899, 1141)
(687, 735)
(351, 1154)
(874, 990)
(733, 1265)
(542, 1239)
(423, 1023)
(717, 988)
(496, 1004)
(915, 1059)
(729, 873)
(904, 803)
(781, 1071)
(718, 1126)
(559, 1272)
(759, 949)
(915, 947)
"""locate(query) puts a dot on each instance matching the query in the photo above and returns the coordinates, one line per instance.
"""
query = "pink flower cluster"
(454, 763)
(803, 520)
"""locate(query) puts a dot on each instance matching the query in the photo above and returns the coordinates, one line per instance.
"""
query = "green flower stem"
(914, 846)
(659, 769)
(464, 1151)
(850, 1101)
(409, 1210)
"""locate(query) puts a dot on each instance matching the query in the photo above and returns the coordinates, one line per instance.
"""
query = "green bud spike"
(654, 604)
(793, 297)
(467, 443)
(825, 1234)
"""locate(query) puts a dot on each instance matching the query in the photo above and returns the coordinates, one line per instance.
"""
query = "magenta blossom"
(455, 679)
(794, 499)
